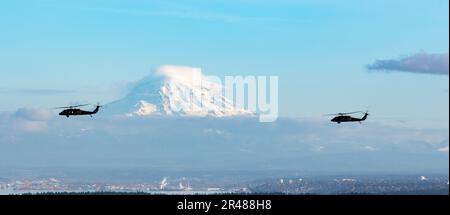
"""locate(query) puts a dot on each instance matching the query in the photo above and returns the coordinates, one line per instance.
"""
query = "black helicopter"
(74, 111)
(345, 117)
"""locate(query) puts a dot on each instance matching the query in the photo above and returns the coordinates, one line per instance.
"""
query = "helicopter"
(345, 117)
(75, 111)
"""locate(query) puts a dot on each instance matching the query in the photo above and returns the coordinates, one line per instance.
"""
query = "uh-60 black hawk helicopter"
(75, 111)
(345, 117)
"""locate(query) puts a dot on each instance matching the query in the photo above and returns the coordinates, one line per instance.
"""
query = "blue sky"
(57, 52)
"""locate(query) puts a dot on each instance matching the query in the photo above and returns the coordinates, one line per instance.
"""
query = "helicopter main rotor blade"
(71, 106)
(341, 114)
(351, 112)
(332, 114)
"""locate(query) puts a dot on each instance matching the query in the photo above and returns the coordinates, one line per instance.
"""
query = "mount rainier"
(175, 90)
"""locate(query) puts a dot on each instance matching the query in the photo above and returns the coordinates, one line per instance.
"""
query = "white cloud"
(418, 63)
(369, 148)
(445, 149)
(31, 126)
(319, 148)
(201, 15)
(31, 119)
(171, 142)
(181, 74)
(36, 91)
(218, 132)
(33, 114)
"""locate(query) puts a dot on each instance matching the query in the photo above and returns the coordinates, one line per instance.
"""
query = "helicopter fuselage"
(76, 112)
(345, 118)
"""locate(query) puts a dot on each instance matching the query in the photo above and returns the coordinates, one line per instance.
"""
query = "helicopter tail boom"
(365, 116)
(96, 109)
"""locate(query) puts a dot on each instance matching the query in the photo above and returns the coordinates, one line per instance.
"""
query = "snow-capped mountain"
(175, 90)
